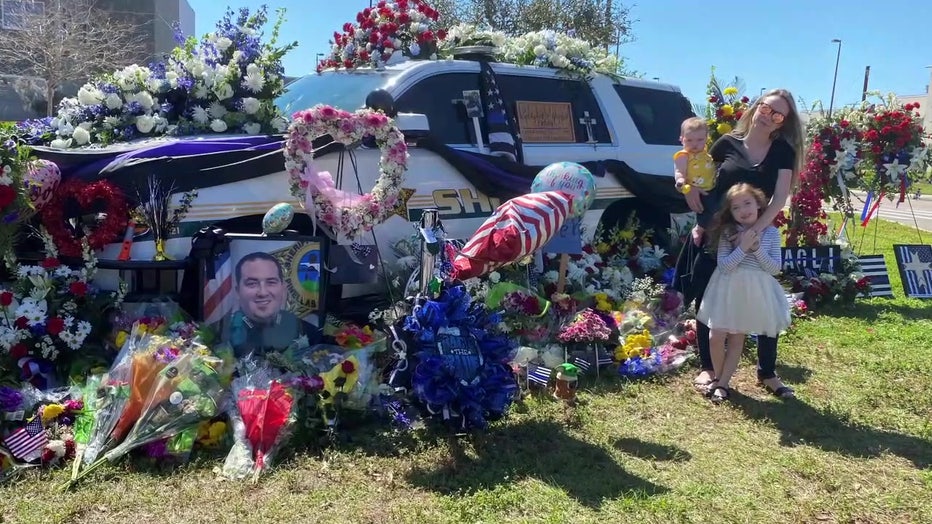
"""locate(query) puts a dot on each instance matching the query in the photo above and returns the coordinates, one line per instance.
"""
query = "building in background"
(155, 19)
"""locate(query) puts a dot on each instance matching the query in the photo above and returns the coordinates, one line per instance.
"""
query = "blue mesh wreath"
(460, 364)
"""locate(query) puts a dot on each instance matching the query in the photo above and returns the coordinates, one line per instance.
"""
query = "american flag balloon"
(516, 229)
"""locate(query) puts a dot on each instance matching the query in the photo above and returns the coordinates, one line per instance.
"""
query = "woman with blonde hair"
(764, 150)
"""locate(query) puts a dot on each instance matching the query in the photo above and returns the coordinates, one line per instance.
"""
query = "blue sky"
(767, 44)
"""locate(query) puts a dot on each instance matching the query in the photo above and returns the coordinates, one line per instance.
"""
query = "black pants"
(694, 268)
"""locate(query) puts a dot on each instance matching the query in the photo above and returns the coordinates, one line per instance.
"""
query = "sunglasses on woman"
(775, 116)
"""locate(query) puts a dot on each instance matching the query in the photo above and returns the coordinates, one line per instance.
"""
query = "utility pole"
(835, 79)
(867, 75)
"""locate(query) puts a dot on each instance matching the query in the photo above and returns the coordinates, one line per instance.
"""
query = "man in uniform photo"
(261, 324)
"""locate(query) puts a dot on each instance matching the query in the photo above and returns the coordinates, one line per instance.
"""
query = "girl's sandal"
(784, 391)
(720, 394)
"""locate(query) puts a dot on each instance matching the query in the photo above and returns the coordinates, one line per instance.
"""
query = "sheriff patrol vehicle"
(625, 130)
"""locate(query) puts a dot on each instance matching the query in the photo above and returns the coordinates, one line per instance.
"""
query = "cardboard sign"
(546, 122)
(568, 240)
(811, 261)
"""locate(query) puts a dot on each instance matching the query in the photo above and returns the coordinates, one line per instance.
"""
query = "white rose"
(252, 69)
(144, 99)
(89, 95)
(251, 105)
(61, 143)
(252, 128)
(540, 50)
(223, 43)
(113, 101)
(223, 91)
(144, 123)
(218, 125)
(495, 277)
(81, 135)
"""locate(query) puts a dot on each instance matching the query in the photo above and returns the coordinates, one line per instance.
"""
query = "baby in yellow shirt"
(693, 167)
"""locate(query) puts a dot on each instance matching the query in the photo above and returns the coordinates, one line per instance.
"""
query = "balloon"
(40, 180)
(571, 178)
(381, 100)
(277, 219)
(516, 229)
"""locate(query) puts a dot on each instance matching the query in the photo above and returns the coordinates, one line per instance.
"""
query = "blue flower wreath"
(461, 366)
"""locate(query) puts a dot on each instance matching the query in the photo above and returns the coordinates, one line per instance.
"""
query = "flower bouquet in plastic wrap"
(185, 391)
(107, 402)
(263, 418)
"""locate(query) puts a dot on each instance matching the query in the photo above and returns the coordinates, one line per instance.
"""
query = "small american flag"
(538, 374)
(915, 263)
(218, 291)
(604, 360)
(28, 441)
(503, 140)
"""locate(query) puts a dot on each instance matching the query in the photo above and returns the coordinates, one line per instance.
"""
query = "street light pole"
(835, 79)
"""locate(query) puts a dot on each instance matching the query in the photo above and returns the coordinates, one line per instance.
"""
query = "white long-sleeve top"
(766, 257)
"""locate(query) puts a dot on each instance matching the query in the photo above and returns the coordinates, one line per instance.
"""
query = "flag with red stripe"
(516, 229)
(27, 442)
(218, 291)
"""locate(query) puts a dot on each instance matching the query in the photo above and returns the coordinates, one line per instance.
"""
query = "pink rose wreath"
(345, 213)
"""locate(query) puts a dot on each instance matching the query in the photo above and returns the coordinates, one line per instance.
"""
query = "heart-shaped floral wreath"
(345, 213)
(87, 196)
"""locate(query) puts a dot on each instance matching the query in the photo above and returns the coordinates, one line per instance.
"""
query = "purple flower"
(167, 354)
(10, 399)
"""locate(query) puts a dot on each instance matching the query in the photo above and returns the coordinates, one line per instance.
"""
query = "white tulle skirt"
(745, 301)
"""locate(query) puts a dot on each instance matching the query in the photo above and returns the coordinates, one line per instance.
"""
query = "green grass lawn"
(855, 446)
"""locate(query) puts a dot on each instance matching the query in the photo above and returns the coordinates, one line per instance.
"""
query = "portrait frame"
(303, 262)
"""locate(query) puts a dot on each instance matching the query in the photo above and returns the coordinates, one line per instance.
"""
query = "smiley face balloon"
(570, 178)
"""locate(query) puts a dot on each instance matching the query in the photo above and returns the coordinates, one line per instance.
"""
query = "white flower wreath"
(346, 213)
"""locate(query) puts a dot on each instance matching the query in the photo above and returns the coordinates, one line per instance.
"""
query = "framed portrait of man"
(277, 291)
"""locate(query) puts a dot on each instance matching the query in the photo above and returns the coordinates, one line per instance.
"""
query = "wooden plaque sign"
(548, 122)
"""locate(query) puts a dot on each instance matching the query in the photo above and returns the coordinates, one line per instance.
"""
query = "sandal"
(783, 391)
(720, 394)
(704, 379)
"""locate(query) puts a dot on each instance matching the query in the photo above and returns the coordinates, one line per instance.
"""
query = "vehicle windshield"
(340, 89)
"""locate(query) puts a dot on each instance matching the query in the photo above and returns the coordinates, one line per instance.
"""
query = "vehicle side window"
(657, 114)
(576, 92)
(435, 97)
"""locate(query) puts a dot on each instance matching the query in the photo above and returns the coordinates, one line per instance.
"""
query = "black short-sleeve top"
(735, 167)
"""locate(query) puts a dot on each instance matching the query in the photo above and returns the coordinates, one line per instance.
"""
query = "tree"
(59, 41)
(603, 23)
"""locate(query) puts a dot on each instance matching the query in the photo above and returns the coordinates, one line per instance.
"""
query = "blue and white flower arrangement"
(225, 83)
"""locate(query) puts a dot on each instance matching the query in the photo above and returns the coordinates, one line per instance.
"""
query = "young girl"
(743, 296)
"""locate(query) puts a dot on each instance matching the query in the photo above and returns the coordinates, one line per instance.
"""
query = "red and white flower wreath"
(346, 213)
